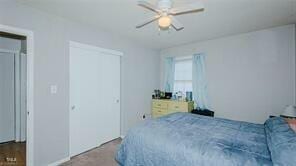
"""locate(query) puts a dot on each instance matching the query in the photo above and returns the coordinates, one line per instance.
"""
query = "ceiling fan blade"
(194, 7)
(176, 24)
(149, 6)
(147, 21)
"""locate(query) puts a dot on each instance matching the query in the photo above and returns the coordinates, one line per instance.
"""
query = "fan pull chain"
(159, 31)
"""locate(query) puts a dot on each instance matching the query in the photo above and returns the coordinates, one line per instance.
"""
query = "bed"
(184, 139)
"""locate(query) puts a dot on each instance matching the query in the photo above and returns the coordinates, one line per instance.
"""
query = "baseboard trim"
(59, 162)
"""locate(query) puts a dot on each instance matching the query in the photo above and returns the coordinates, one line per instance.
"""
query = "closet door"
(94, 98)
(7, 118)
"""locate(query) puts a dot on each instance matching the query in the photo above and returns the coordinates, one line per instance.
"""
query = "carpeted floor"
(100, 156)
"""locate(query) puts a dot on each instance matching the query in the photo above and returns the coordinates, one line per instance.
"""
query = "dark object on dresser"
(168, 95)
(204, 112)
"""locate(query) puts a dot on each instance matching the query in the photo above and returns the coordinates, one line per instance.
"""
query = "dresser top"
(170, 100)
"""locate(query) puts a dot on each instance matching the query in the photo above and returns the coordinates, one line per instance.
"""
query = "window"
(183, 75)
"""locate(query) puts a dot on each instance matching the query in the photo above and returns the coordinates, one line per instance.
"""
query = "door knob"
(117, 101)
(73, 107)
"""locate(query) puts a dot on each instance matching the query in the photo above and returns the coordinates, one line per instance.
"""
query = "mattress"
(184, 139)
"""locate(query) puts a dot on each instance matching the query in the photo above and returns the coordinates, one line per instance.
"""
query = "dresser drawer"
(178, 107)
(160, 104)
(157, 112)
(157, 115)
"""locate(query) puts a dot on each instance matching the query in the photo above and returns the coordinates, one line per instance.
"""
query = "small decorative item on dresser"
(204, 112)
(168, 95)
(156, 94)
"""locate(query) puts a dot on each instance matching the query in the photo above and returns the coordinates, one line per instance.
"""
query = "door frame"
(74, 44)
(30, 88)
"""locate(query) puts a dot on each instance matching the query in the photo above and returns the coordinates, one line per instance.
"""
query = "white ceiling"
(220, 18)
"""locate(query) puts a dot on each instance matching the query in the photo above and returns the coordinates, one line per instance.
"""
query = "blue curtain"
(199, 81)
(169, 74)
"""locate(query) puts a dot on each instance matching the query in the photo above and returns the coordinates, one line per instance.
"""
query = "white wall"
(251, 76)
(140, 75)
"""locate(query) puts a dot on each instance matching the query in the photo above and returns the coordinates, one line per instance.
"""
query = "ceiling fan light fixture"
(164, 22)
(165, 13)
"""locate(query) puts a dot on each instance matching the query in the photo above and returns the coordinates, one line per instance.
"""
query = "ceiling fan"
(165, 13)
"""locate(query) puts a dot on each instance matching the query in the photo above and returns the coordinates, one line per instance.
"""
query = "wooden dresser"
(165, 107)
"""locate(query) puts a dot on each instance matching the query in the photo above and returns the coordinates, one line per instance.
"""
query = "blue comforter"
(184, 139)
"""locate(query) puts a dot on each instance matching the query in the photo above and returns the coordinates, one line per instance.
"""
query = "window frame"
(181, 59)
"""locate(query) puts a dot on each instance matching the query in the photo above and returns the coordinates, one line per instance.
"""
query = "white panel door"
(7, 118)
(94, 99)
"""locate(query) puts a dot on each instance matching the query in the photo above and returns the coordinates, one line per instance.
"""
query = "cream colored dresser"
(165, 107)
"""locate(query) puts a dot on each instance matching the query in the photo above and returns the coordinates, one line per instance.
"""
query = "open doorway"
(13, 99)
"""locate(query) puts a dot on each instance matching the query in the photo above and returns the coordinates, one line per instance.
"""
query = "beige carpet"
(100, 156)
